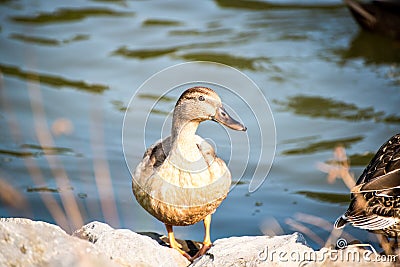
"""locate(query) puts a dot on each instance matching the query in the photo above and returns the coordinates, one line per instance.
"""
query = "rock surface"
(286, 250)
(24, 242)
(253, 251)
(28, 243)
(129, 248)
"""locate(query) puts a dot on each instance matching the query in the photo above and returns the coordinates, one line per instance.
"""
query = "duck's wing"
(384, 166)
(154, 157)
(158, 153)
(385, 185)
(370, 212)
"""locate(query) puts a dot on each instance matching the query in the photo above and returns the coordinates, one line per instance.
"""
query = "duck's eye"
(201, 98)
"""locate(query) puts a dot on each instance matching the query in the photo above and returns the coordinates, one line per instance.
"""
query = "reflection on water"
(51, 150)
(157, 98)
(68, 15)
(42, 189)
(328, 84)
(143, 53)
(17, 153)
(161, 22)
(31, 150)
(316, 106)
(47, 41)
(361, 159)
(260, 5)
(227, 59)
(239, 62)
(374, 49)
(119, 105)
(323, 146)
(326, 197)
(202, 32)
(159, 112)
(52, 80)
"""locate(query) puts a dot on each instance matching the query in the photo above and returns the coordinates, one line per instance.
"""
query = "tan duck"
(180, 180)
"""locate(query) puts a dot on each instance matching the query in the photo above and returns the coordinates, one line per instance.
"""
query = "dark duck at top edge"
(375, 199)
(378, 16)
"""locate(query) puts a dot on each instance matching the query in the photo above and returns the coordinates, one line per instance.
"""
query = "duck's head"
(202, 103)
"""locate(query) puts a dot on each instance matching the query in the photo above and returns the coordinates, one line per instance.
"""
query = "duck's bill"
(224, 118)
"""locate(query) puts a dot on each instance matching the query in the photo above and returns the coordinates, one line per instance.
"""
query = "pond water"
(70, 69)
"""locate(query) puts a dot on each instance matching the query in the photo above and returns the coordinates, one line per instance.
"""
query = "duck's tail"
(341, 222)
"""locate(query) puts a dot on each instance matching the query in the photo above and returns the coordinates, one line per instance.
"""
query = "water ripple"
(47, 41)
(68, 14)
(155, 97)
(323, 146)
(32, 150)
(161, 22)
(320, 107)
(264, 5)
(225, 58)
(326, 197)
(52, 80)
(373, 49)
(143, 53)
(361, 159)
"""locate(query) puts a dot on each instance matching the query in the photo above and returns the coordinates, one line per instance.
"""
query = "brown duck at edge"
(377, 16)
(375, 199)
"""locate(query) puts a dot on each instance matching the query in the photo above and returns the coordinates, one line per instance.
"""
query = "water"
(70, 69)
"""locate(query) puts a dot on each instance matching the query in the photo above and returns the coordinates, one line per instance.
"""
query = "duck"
(378, 16)
(375, 199)
(180, 180)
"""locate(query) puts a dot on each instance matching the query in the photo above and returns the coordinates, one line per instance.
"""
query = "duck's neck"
(183, 133)
(184, 150)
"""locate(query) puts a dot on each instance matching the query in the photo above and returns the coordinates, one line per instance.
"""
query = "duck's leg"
(174, 244)
(207, 240)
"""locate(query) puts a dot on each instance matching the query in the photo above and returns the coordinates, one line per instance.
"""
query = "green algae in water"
(68, 15)
(323, 146)
(161, 22)
(321, 107)
(52, 80)
(326, 197)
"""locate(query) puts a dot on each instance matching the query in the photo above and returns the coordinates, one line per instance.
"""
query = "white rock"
(28, 243)
(286, 250)
(92, 231)
(130, 248)
(254, 251)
